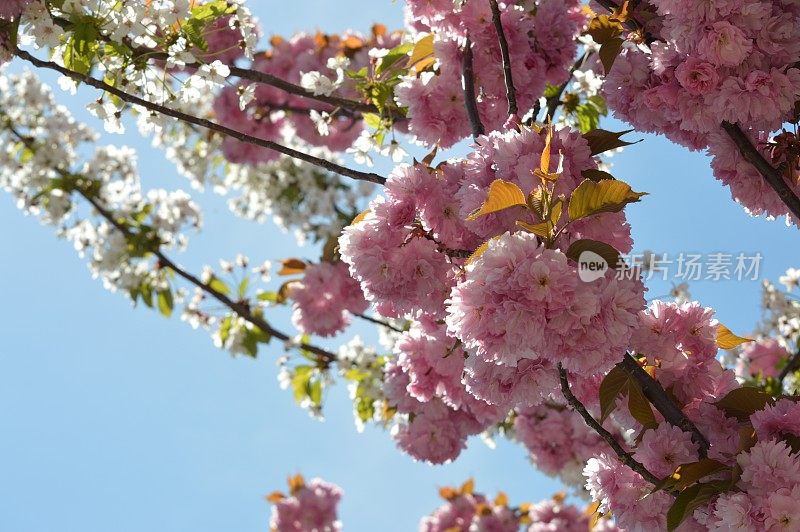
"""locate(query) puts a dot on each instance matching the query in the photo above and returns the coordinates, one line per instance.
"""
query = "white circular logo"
(591, 266)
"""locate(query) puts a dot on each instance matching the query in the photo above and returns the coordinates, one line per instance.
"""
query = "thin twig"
(624, 456)
(376, 321)
(773, 178)
(555, 100)
(240, 308)
(511, 92)
(790, 366)
(470, 101)
(202, 122)
(656, 394)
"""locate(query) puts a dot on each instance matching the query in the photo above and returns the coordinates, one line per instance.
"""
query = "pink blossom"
(324, 299)
(436, 434)
(768, 467)
(761, 358)
(10, 9)
(782, 510)
(526, 384)
(311, 508)
(724, 44)
(737, 511)
(697, 76)
(778, 420)
(557, 438)
(552, 515)
(664, 448)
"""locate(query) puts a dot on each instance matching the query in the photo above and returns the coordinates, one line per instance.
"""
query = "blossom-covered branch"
(624, 456)
(656, 394)
(202, 122)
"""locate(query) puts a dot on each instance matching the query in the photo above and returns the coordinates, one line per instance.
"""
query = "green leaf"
(79, 53)
(219, 285)
(147, 294)
(609, 51)
(613, 385)
(243, 287)
(165, 302)
(596, 175)
(692, 498)
(608, 195)
(609, 254)
(639, 406)
(742, 402)
(393, 56)
(601, 140)
(372, 120)
(687, 474)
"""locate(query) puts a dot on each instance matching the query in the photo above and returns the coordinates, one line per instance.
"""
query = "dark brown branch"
(790, 366)
(470, 101)
(624, 456)
(202, 122)
(773, 178)
(658, 397)
(376, 321)
(511, 92)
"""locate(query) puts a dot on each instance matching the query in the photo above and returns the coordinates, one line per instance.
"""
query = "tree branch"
(773, 178)
(242, 309)
(790, 366)
(658, 397)
(202, 122)
(250, 75)
(470, 102)
(624, 456)
(511, 92)
(376, 321)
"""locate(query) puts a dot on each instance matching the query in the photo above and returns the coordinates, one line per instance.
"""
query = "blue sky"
(115, 418)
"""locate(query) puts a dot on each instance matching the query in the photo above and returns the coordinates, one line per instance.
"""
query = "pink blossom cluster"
(715, 62)
(553, 515)
(393, 252)
(325, 298)
(680, 340)
(557, 438)
(10, 9)
(311, 507)
(466, 512)
(541, 45)
(424, 384)
(272, 110)
(520, 300)
(512, 155)
(223, 40)
(761, 358)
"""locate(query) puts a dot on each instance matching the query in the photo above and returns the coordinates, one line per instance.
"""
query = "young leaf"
(743, 402)
(692, 498)
(423, 49)
(613, 385)
(477, 253)
(687, 474)
(596, 175)
(165, 302)
(609, 51)
(727, 339)
(601, 140)
(292, 267)
(604, 196)
(219, 285)
(639, 406)
(543, 229)
(502, 195)
(609, 254)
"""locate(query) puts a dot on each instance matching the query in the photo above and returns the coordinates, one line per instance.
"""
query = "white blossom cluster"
(41, 167)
